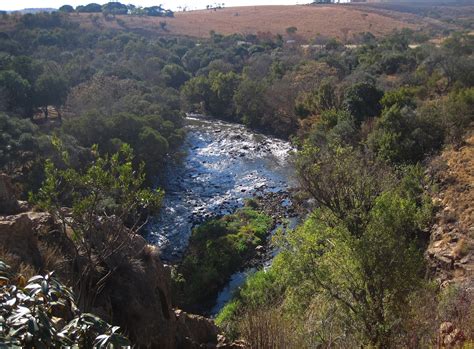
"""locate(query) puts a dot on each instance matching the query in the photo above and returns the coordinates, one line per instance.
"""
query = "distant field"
(340, 21)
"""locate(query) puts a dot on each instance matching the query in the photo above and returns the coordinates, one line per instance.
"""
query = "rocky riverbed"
(224, 164)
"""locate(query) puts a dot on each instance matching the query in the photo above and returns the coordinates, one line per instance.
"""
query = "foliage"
(217, 249)
(249, 102)
(362, 100)
(341, 286)
(115, 8)
(42, 313)
(19, 141)
(66, 8)
(89, 8)
(15, 91)
(105, 198)
(344, 181)
(50, 90)
(402, 136)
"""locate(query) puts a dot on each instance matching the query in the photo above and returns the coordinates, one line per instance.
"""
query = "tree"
(66, 9)
(362, 100)
(223, 87)
(368, 279)
(360, 250)
(291, 30)
(50, 89)
(345, 182)
(318, 100)
(115, 8)
(18, 142)
(16, 91)
(90, 8)
(249, 102)
(174, 75)
(403, 136)
(108, 205)
(196, 95)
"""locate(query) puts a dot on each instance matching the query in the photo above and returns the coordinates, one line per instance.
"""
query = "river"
(224, 164)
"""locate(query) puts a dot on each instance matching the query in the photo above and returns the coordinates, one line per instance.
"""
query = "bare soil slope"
(340, 21)
(451, 249)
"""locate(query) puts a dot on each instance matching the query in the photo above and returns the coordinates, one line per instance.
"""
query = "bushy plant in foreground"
(41, 313)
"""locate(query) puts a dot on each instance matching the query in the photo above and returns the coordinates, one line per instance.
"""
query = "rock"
(451, 241)
(137, 297)
(19, 241)
(236, 137)
(446, 327)
(449, 336)
(239, 344)
(194, 330)
(8, 193)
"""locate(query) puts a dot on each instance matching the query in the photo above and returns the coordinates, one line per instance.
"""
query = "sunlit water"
(224, 164)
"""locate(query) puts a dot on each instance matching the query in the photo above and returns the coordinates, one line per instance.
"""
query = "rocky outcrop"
(450, 336)
(195, 330)
(19, 240)
(8, 201)
(136, 296)
(451, 250)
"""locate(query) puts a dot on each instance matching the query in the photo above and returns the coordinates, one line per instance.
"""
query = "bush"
(362, 100)
(42, 313)
(217, 249)
(404, 136)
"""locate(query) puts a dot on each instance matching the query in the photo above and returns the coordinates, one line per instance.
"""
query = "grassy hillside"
(311, 21)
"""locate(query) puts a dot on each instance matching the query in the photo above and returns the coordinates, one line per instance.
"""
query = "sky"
(10, 5)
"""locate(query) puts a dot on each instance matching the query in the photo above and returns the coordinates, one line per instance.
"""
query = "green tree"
(50, 89)
(362, 100)
(249, 102)
(174, 75)
(115, 8)
(369, 277)
(108, 205)
(18, 142)
(403, 136)
(344, 181)
(223, 87)
(66, 9)
(318, 100)
(90, 8)
(16, 91)
(196, 94)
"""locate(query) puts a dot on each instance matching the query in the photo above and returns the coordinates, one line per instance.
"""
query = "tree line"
(117, 8)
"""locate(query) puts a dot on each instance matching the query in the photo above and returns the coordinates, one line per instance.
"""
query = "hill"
(33, 10)
(342, 21)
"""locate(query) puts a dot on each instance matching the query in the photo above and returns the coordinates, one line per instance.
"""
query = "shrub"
(217, 249)
(42, 313)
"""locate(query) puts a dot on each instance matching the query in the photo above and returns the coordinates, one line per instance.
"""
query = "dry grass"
(18, 268)
(458, 195)
(311, 21)
(268, 329)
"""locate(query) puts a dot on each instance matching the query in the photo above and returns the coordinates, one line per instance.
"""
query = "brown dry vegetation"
(311, 21)
(451, 250)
